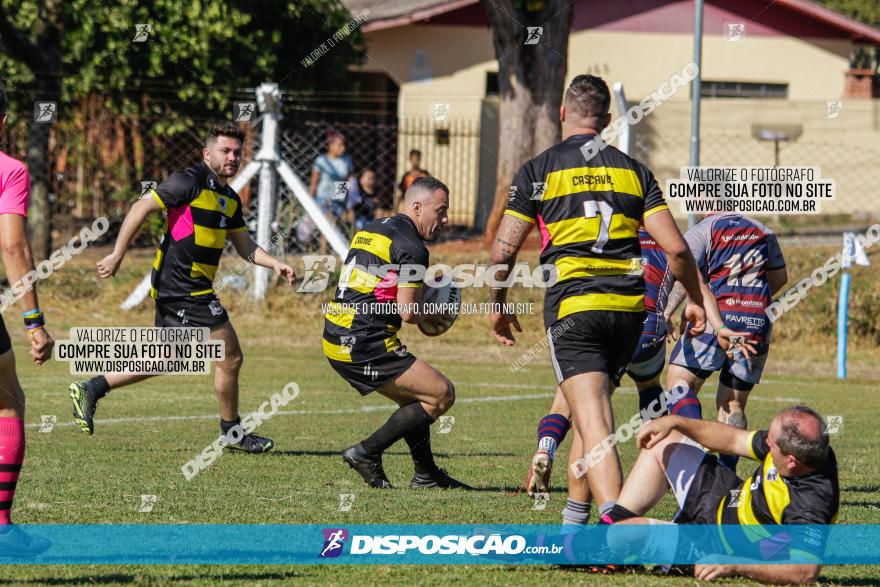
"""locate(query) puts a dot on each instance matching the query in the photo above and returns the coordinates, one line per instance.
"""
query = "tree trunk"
(41, 52)
(39, 168)
(531, 80)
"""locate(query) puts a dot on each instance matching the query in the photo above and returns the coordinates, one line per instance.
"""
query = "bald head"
(426, 202)
(422, 188)
(802, 435)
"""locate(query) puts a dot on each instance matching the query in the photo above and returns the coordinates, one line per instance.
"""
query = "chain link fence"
(98, 164)
(98, 161)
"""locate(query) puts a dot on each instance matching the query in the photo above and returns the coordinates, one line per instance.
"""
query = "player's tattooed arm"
(511, 234)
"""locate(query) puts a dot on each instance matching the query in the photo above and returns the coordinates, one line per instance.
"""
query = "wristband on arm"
(34, 319)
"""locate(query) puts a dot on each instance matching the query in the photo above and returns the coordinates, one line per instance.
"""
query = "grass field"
(138, 447)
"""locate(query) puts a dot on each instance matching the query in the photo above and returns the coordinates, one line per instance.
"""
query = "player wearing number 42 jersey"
(379, 289)
(202, 211)
(742, 263)
(588, 203)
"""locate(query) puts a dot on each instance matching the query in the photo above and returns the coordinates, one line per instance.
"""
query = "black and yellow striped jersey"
(749, 511)
(769, 498)
(588, 212)
(200, 214)
(361, 323)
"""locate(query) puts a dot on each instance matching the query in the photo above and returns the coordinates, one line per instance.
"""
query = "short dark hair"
(809, 449)
(427, 184)
(588, 95)
(4, 103)
(224, 129)
(415, 152)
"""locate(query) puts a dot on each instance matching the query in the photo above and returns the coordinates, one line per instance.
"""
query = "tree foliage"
(198, 57)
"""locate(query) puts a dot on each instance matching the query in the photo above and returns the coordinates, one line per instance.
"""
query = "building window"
(491, 83)
(441, 136)
(716, 89)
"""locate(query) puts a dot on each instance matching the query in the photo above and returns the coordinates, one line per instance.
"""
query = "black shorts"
(194, 312)
(367, 376)
(712, 483)
(596, 340)
(5, 342)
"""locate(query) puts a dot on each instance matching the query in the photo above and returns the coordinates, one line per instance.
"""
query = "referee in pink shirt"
(18, 261)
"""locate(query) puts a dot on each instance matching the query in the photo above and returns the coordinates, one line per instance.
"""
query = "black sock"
(405, 420)
(98, 386)
(617, 513)
(419, 442)
(225, 426)
(649, 396)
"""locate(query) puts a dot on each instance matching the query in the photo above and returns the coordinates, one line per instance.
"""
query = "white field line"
(380, 408)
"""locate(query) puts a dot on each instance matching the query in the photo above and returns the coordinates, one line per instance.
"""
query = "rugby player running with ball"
(360, 338)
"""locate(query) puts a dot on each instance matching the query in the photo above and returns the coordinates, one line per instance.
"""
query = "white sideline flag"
(853, 252)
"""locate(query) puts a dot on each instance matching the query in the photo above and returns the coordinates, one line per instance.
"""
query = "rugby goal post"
(267, 162)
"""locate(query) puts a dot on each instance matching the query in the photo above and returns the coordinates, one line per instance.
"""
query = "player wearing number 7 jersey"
(743, 265)
(587, 203)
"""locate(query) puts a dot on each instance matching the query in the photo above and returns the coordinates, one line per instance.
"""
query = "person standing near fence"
(18, 261)
(329, 185)
(415, 171)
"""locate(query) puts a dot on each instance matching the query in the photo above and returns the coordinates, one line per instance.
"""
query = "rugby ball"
(446, 297)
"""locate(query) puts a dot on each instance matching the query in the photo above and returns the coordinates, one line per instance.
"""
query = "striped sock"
(684, 402)
(551, 432)
(11, 458)
(576, 512)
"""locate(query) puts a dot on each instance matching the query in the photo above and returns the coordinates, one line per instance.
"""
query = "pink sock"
(11, 458)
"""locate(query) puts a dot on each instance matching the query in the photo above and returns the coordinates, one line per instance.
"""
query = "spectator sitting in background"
(330, 174)
(364, 202)
(415, 171)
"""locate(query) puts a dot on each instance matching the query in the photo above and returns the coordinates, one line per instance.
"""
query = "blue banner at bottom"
(657, 544)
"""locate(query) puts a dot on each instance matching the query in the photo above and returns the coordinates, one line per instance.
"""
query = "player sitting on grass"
(360, 335)
(202, 211)
(795, 483)
(18, 262)
(741, 261)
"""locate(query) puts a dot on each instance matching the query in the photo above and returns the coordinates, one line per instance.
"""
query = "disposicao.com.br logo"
(402, 544)
(334, 540)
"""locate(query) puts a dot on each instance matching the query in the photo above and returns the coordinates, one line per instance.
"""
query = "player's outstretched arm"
(511, 235)
(661, 226)
(19, 261)
(775, 574)
(254, 253)
(715, 436)
(109, 265)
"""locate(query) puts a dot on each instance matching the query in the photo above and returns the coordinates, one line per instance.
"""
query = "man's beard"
(221, 171)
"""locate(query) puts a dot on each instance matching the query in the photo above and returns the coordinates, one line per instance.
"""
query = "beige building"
(786, 66)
